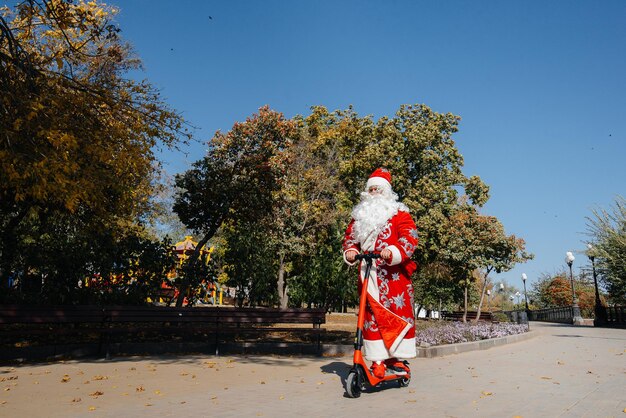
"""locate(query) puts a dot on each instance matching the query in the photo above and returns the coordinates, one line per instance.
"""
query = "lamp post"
(599, 310)
(502, 294)
(488, 300)
(524, 277)
(577, 319)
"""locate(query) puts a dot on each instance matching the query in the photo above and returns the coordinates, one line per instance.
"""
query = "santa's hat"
(380, 177)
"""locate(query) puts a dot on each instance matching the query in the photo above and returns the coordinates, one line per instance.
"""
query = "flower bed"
(459, 332)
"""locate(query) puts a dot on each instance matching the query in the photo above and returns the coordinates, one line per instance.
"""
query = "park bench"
(110, 325)
(471, 315)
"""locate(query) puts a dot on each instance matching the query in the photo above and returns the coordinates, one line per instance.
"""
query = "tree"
(236, 180)
(76, 139)
(477, 243)
(607, 229)
(307, 210)
(555, 290)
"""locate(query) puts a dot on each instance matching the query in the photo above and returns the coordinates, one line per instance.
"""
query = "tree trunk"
(281, 285)
(190, 268)
(482, 298)
(465, 303)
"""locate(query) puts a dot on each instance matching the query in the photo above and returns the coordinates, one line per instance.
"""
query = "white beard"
(371, 215)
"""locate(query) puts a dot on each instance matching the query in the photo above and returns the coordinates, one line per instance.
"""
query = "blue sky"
(540, 87)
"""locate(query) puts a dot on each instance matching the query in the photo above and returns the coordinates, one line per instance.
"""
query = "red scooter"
(360, 375)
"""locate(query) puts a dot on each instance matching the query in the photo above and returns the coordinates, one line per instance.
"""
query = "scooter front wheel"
(353, 386)
(404, 382)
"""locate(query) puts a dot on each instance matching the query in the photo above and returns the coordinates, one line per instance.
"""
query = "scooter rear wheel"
(353, 386)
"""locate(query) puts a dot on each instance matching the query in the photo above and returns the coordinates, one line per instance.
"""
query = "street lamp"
(524, 277)
(488, 300)
(577, 319)
(599, 310)
(502, 294)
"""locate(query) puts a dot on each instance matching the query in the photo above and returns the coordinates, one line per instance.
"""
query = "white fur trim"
(406, 349)
(374, 350)
(372, 286)
(396, 256)
(376, 181)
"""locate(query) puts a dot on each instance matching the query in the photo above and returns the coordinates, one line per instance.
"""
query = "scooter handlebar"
(366, 256)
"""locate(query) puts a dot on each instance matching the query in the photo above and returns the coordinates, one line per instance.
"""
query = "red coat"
(389, 329)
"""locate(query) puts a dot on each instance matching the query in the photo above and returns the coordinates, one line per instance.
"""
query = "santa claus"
(381, 224)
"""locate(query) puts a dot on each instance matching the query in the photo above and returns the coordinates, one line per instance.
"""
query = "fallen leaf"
(157, 392)
(7, 389)
(148, 404)
(140, 389)
(65, 379)
(486, 393)
(96, 393)
(86, 382)
(281, 397)
(410, 401)
(560, 363)
(184, 374)
(100, 378)
(546, 378)
(76, 400)
(262, 382)
(92, 408)
(183, 402)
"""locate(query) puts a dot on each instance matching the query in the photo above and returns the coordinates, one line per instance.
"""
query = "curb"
(337, 350)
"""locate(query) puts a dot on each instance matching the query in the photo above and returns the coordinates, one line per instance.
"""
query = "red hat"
(379, 177)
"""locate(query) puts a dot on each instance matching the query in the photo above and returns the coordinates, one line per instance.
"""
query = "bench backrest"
(458, 315)
(20, 314)
(16, 314)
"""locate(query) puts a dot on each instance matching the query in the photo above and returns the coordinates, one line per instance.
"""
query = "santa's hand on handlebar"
(386, 254)
(351, 255)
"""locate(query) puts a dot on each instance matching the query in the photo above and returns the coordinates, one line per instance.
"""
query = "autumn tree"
(236, 181)
(76, 139)
(477, 244)
(308, 210)
(555, 290)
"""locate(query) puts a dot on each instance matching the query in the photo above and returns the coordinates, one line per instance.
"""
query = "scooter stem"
(358, 342)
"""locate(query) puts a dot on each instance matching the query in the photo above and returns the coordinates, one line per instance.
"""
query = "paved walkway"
(563, 371)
